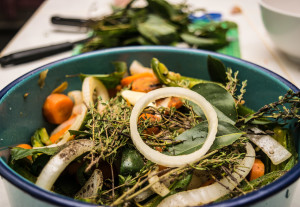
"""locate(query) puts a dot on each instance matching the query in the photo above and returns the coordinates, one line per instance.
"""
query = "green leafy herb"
(19, 153)
(194, 138)
(216, 70)
(158, 23)
(220, 98)
(113, 79)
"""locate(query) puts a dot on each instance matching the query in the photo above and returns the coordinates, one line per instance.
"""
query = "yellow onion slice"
(166, 160)
(210, 193)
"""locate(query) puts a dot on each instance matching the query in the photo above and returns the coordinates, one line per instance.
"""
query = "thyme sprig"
(109, 130)
(168, 124)
(286, 108)
(232, 85)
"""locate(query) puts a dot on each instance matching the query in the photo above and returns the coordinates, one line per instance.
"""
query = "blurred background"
(13, 15)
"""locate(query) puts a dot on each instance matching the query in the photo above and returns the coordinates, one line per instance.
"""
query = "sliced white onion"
(273, 149)
(143, 195)
(136, 68)
(166, 160)
(133, 97)
(77, 109)
(91, 85)
(76, 96)
(75, 126)
(61, 160)
(63, 125)
(91, 187)
(216, 190)
(157, 187)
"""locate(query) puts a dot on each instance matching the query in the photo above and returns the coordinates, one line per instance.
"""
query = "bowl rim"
(53, 198)
(278, 10)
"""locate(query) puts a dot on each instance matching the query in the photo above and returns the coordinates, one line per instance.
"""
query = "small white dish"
(282, 22)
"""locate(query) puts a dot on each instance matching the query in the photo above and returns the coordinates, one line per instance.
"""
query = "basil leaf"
(216, 70)
(113, 79)
(194, 138)
(203, 42)
(158, 30)
(220, 98)
(19, 153)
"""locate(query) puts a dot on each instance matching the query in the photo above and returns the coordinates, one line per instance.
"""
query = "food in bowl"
(157, 138)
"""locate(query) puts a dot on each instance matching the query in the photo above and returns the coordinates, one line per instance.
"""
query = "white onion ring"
(166, 160)
(210, 193)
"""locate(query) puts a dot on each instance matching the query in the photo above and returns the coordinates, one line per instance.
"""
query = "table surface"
(255, 44)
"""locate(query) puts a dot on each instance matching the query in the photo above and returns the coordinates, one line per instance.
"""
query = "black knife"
(37, 53)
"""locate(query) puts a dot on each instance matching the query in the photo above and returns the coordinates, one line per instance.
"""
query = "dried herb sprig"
(232, 85)
(163, 130)
(211, 161)
(109, 130)
(286, 108)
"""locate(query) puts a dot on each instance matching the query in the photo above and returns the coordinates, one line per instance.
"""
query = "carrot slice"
(26, 146)
(57, 108)
(145, 84)
(151, 117)
(54, 138)
(175, 102)
(257, 170)
(128, 80)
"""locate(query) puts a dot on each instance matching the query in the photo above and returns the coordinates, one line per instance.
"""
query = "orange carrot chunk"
(54, 138)
(257, 170)
(151, 117)
(145, 84)
(175, 102)
(128, 80)
(57, 108)
(26, 146)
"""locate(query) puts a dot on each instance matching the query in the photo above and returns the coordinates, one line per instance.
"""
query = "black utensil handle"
(34, 54)
(69, 21)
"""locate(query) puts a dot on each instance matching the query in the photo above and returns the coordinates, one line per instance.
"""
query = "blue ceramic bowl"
(20, 117)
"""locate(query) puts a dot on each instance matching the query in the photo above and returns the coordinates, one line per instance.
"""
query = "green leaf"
(158, 30)
(203, 42)
(221, 100)
(110, 80)
(194, 138)
(19, 153)
(216, 70)
(162, 8)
